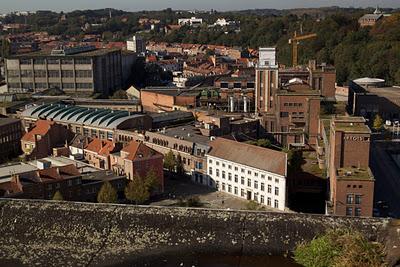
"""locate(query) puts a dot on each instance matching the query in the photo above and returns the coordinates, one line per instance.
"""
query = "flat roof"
(172, 91)
(298, 89)
(63, 161)
(387, 92)
(8, 170)
(186, 132)
(171, 115)
(353, 173)
(6, 121)
(47, 53)
(100, 175)
(352, 128)
(350, 124)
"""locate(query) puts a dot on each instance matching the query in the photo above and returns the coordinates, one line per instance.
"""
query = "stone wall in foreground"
(47, 233)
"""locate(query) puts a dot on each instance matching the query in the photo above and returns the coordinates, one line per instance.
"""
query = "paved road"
(387, 178)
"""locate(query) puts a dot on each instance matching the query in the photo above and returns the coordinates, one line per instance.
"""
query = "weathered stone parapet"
(47, 233)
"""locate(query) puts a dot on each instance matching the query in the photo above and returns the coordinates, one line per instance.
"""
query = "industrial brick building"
(168, 99)
(289, 111)
(237, 92)
(351, 180)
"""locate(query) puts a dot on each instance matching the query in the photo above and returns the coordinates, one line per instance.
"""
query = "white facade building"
(193, 21)
(222, 22)
(248, 172)
(137, 44)
(267, 57)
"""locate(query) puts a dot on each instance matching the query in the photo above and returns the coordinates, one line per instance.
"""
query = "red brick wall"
(155, 163)
(345, 187)
(313, 117)
(355, 153)
(328, 84)
(185, 100)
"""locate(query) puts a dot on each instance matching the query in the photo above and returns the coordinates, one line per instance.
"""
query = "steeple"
(377, 11)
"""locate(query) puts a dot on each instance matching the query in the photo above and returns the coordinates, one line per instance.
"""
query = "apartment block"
(248, 172)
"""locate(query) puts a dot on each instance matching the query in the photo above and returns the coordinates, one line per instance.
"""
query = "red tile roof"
(138, 150)
(59, 173)
(101, 147)
(41, 128)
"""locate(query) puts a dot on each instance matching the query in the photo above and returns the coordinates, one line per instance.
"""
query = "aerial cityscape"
(144, 135)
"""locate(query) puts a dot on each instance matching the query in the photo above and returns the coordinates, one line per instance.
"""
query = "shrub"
(340, 248)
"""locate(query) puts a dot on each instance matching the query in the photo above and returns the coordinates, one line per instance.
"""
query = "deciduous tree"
(378, 123)
(58, 196)
(107, 194)
(137, 191)
(169, 161)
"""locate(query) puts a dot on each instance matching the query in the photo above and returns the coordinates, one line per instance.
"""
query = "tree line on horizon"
(354, 51)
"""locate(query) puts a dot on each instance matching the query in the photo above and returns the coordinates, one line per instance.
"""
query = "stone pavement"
(208, 197)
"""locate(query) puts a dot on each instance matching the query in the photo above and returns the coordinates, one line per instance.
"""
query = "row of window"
(255, 183)
(51, 85)
(53, 61)
(242, 170)
(50, 73)
(353, 199)
(228, 188)
(285, 114)
(94, 133)
(354, 186)
(57, 185)
(293, 104)
(350, 211)
(237, 85)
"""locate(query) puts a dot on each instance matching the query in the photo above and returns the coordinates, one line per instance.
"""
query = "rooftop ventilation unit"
(65, 51)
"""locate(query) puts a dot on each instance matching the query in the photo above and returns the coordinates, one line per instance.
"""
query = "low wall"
(47, 233)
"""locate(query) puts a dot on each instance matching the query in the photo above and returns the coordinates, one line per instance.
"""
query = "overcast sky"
(134, 5)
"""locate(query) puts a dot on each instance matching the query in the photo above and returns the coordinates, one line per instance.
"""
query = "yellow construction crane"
(295, 41)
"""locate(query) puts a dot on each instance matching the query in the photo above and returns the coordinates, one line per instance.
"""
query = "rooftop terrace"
(353, 173)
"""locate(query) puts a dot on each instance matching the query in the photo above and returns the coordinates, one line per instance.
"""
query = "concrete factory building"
(76, 69)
